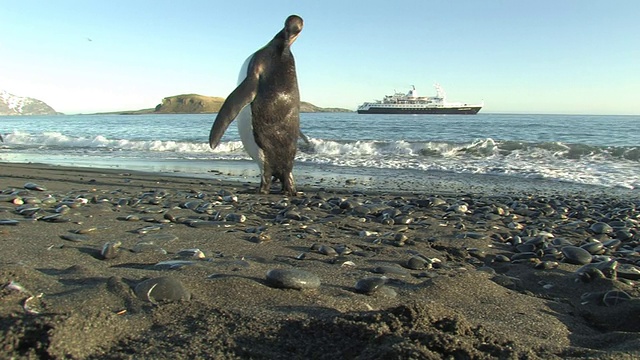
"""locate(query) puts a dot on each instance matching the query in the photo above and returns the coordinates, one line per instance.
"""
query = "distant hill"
(306, 107)
(189, 104)
(200, 104)
(17, 105)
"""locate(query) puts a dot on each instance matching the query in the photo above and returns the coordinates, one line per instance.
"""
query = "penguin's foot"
(289, 185)
(265, 184)
(264, 188)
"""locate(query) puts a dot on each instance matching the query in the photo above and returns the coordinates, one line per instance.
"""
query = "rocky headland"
(200, 104)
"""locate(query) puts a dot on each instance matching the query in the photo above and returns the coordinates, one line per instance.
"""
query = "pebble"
(622, 235)
(33, 186)
(591, 271)
(576, 255)
(55, 218)
(261, 238)
(418, 263)
(110, 250)
(560, 242)
(628, 271)
(327, 250)
(601, 228)
(237, 218)
(148, 229)
(374, 285)
(292, 279)
(49, 200)
(206, 223)
(526, 247)
(501, 258)
(391, 270)
(191, 253)
(162, 289)
(348, 264)
(365, 233)
(132, 218)
(173, 264)
(594, 247)
(436, 201)
(458, 208)
(293, 215)
(86, 230)
(75, 237)
(343, 249)
(546, 265)
(27, 210)
(230, 198)
(170, 217)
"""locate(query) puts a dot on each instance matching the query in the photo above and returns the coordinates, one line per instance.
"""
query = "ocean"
(572, 149)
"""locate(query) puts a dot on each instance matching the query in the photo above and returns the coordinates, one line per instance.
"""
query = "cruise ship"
(411, 103)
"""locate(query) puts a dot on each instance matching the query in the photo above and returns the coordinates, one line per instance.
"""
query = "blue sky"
(545, 56)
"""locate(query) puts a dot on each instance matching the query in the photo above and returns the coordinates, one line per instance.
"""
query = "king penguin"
(266, 104)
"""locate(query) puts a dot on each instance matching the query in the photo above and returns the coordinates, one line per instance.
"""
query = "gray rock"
(576, 255)
(593, 247)
(374, 285)
(292, 279)
(628, 271)
(162, 289)
(391, 270)
(173, 264)
(9, 222)
(110, 250)
(33, 186)
(418, 263)
(601, 228)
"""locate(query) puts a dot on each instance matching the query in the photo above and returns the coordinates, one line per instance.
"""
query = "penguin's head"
(292, 28)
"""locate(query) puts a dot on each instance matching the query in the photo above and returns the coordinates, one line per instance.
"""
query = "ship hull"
(466, 110)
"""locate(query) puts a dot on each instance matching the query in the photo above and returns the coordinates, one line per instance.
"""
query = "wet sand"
(449, 280)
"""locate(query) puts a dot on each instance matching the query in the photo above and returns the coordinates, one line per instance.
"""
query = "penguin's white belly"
(245, 124)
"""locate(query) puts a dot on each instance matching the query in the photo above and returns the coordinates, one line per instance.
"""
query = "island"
(201, 104)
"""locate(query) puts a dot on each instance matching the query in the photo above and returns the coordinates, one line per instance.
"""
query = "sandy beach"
(115, 264)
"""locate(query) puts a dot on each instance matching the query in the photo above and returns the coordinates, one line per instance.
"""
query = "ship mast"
(440, 92)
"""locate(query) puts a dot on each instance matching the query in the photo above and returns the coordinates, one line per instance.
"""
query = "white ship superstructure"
(412, 103)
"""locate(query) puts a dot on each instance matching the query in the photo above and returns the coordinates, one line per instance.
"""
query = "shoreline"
(434, 267)
(313, 177)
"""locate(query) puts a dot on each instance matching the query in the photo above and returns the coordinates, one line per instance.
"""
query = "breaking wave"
(602, 165)
(331, 148)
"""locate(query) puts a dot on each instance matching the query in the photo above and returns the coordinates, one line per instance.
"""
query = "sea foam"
(581, 163)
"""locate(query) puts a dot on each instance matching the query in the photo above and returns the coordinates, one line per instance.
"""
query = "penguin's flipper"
(304, 138)
(244, 94)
